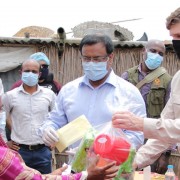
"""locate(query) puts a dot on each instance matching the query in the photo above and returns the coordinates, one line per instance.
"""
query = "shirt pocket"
(157, 96)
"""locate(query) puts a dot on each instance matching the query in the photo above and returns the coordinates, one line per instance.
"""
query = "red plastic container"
(116, 149)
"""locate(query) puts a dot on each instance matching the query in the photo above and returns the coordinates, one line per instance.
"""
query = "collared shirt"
(145, 89)
(97, 104)
(165, 131)
(28, 112)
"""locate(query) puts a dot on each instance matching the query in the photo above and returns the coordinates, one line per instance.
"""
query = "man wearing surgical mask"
(156, 90)
(46, 79)
(95, 94)
(27, 106)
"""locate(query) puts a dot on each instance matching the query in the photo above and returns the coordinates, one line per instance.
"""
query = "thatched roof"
(35, 31)
(114, 31)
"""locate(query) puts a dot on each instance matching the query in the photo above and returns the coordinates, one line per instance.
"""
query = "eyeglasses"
(44, 66)
(95, 59)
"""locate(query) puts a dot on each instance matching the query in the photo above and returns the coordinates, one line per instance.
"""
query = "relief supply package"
(111, 144)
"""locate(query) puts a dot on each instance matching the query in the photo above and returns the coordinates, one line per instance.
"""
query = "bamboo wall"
(68, 67)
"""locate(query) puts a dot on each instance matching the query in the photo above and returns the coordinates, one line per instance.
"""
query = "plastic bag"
(79, 161)
(112, 144)
(122, 103)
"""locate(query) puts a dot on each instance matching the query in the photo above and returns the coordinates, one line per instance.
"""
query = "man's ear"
(111, 57)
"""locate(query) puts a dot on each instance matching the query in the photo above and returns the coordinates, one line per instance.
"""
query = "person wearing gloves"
(13, 166)
(95, 94)
(27, 106)
(164, 131)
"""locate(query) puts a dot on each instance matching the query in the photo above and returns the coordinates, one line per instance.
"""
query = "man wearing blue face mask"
(46, 79)
(27, 106)
(95, 93)
(153, 82)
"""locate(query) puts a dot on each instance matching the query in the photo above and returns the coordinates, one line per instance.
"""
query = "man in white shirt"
(28, 105)
(96, 94)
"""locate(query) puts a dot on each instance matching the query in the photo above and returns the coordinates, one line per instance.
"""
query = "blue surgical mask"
(153, 60)
(95, 71)
(29, 78)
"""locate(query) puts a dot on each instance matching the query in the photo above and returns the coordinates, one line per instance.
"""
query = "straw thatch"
(34, 31)
(122, 34)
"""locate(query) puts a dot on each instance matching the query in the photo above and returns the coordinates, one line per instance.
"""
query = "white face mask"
(29, 78)
(95, 71)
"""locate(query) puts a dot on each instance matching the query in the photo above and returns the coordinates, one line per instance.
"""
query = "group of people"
(35, 112)
(27, 105)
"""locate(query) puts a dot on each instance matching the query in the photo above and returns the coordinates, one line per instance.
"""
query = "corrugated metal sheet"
(28, 41)
(73, 41)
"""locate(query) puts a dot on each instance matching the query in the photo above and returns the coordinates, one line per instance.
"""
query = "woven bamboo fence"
(69, 67)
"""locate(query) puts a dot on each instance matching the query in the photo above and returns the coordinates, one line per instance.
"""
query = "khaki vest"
(157, 93)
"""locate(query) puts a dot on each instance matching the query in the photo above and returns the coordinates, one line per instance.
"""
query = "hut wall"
(69, 67)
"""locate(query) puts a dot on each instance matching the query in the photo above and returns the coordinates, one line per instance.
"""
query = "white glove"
(50, 136)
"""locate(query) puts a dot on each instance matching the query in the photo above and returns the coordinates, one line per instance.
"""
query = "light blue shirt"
(97, 104)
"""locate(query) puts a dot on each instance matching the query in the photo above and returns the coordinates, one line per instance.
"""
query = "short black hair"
(92, 39)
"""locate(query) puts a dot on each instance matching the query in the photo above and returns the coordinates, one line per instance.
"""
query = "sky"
(17, 14)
